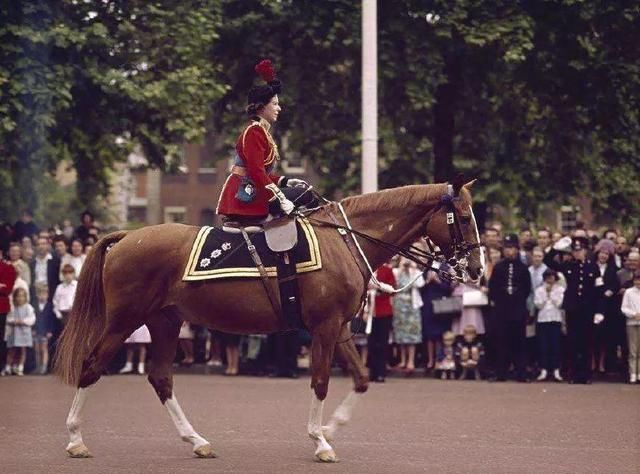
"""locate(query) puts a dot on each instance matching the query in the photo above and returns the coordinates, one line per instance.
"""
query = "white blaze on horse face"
(314, 427)
(186, 431)
(481, 248)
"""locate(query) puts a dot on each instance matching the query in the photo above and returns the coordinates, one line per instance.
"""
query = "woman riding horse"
(251, 186)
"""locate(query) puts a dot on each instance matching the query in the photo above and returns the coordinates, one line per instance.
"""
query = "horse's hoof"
(79, 451)
(204, 451)
(327, 456)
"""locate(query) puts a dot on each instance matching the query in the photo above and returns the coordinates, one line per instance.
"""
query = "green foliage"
(537, 99)
(87, 81)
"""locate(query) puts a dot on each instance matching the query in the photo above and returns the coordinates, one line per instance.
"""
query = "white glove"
(285, 204)
(385, 287)
(563, 244)
(294, 182)
(598, 318)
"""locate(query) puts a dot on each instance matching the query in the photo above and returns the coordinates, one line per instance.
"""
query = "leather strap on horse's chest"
(351, 245)
(263, 273)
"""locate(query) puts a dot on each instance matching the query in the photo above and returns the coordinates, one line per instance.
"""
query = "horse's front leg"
(346, 349)
(323, 343)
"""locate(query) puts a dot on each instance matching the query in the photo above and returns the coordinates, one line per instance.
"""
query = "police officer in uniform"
(509, 287)
(580, 300)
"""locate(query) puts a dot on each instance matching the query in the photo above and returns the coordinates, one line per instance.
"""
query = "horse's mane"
(394, 198)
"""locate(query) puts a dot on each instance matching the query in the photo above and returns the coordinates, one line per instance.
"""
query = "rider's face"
(271, 111)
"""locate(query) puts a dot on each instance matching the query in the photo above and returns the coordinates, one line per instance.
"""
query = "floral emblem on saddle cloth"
(216, 254)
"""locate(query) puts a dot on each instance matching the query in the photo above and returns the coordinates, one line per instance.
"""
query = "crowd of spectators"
(550, 306)
(38, 277)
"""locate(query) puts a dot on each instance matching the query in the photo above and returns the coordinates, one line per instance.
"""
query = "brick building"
(190, 196)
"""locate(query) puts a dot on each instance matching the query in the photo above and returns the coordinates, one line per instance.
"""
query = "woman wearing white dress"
(138, 340)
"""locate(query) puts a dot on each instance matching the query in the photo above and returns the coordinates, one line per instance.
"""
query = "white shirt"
(549, 303)
(631, 305)
(41, 269)
(63, 297)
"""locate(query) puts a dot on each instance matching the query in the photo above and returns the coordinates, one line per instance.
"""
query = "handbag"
(474, 298)
(447, 308)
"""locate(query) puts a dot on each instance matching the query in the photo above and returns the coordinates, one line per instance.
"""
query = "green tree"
(87, 81)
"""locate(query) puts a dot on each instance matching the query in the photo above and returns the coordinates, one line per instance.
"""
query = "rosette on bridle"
(261, 95)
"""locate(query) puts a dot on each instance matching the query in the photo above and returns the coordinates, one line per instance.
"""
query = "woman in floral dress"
(407, 320)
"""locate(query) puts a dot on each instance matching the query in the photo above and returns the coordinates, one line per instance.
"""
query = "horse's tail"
(87, 319)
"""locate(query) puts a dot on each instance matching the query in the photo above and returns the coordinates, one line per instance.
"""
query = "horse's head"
(454, 229)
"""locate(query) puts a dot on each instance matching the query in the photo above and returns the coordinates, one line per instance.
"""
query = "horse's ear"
(457, 183)
(470, 183)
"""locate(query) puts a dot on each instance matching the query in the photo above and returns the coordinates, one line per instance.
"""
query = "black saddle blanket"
(218, 254)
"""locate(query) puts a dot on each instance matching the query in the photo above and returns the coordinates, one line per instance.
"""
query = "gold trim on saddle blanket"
(191, 274)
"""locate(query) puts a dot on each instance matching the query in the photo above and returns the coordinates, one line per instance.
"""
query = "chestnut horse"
(135, 278)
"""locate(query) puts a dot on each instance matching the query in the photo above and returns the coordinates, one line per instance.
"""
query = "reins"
(429, 260)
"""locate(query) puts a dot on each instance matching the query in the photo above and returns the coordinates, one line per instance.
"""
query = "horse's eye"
(466, 220)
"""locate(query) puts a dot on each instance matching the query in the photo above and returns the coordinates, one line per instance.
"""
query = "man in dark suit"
(509, 287)
(580, 304)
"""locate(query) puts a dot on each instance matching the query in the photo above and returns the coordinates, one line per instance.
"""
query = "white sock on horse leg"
(342, 415)
(74, 418)
(186, 431)
(314, 427)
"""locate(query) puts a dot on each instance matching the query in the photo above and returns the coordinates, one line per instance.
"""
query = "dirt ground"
(259, 425)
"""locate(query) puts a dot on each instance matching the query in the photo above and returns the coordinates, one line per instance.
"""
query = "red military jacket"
(7, 279)
(256, 157)
(383, 300)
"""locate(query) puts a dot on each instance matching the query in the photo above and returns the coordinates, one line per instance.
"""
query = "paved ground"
(258, 425)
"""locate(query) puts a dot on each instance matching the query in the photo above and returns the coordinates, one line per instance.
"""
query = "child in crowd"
(65, 293)
(446, 363)
(45, 320)
(185, 339)
(548, 299)
(469, 352)
(138, 340)
(631, 309)
(18, 333)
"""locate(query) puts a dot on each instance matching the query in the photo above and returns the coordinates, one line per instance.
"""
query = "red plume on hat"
(265, 69)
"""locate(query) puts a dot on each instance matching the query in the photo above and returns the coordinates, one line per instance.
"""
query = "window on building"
(176, 214)
(292, 160)
(568, 217)
(209, 154)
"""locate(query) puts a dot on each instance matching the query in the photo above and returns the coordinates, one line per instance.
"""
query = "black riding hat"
(261, 95)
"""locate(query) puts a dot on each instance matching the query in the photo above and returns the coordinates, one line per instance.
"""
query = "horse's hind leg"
(164, 329)
(92, 369)
(323, 344)
(346, 349)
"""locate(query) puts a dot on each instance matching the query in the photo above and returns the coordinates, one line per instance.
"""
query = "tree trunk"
(444, 121)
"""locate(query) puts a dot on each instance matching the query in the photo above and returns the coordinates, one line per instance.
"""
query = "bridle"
(450, 264)
(459, 250)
